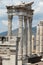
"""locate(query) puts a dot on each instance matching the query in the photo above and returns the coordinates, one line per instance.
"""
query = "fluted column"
(29, 36)
(33, 42)
(25, 37)
(41, 38)
(38, 39)
(20, 50)
(10, 25)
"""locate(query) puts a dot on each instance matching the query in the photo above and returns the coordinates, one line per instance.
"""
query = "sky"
(37, 17)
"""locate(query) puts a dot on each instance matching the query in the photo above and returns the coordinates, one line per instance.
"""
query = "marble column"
(20, 50)
(25, 41)
(25, 37)
(29, 36)
(33, 43)
(41, 38)
(10, 25)
(38, 40)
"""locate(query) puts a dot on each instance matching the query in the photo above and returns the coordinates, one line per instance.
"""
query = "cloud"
(14, 24)
(3, 12)
(5, 22)
(6, 2)
(13, 2)
(38, 13)
(17, 2)
(41, 0)
(39, 8)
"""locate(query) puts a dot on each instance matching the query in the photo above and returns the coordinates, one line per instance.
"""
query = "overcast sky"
(38, 13)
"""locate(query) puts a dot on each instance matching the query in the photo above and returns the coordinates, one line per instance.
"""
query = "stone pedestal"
(5, 62)
(12, 60)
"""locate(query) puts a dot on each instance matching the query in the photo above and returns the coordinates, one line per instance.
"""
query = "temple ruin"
(8, 49)
(17, 50)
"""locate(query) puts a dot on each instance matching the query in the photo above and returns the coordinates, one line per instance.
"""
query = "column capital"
(10, 16)
(20, 16)
(25, 17)
(30, 19)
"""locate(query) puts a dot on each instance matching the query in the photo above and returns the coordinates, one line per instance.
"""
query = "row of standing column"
(27, 27)
(27, 23)
(27, 36)
(22, 52)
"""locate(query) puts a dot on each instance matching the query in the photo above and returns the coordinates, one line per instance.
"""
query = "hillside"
(15, 32)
